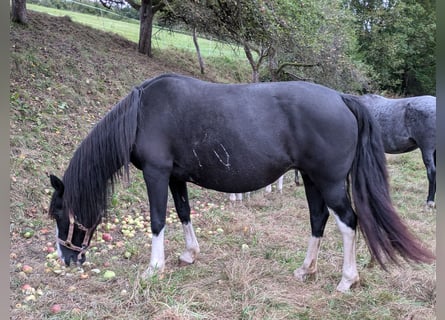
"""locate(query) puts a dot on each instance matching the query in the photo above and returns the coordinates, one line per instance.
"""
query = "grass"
(248, 250)
(162, 38)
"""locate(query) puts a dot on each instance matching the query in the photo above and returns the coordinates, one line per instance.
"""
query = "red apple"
(49, 249)
(107, 237)
(27, 289)
(27, 269)
(56, 308)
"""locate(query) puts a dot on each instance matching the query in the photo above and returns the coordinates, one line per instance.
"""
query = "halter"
(68, 242)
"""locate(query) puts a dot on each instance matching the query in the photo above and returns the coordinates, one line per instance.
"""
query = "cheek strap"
(68, 242)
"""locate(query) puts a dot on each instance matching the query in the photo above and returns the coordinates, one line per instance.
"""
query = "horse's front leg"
(180, 197)
(157, 189)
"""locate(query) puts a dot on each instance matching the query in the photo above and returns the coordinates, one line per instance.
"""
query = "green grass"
(162, 38)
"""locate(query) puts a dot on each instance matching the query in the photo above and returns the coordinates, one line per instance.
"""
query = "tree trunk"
(146, 27)
(255, 66)
(195, 41)
(273, 64)
(18, 12)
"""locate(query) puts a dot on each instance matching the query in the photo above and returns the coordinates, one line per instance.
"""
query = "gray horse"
(408, 124)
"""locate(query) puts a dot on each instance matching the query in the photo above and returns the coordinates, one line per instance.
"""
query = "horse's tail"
(382, 228)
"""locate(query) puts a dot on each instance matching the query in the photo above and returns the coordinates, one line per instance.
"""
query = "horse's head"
(72, 237)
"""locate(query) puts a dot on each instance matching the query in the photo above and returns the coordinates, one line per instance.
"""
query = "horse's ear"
(57, 183)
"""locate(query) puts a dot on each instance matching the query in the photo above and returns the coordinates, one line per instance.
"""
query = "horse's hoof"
(186, 259)
(372, 263)
(346, 284)
(182, 263)
(152, 272)
(304, 275)
(430, 204)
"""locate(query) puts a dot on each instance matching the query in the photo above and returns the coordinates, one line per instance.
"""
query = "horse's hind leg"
(279, 185)
(429, 159)
(297, 179)
(236, 196)
(337, 199)
(180, 197)
(319, 215)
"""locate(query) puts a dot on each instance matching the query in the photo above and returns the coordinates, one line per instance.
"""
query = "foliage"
(322, 37)
(397, 39)
(298, 39)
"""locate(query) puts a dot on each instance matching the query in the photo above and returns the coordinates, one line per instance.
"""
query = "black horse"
(407, 124)
(236, 138)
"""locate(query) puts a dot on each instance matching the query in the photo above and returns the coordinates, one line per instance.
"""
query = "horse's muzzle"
(74, 258)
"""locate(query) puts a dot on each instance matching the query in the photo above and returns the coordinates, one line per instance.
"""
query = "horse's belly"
(230, 177)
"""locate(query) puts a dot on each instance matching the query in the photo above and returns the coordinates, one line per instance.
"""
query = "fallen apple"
(28, 233)
(30, 298)
(107, 237)
(27, 269)
(27, 289)
(109, 274)
(50, 249)
(56, 308)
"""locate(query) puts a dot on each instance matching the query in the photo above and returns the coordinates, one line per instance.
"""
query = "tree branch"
(296, 64)
(295, 77)
(133, 4)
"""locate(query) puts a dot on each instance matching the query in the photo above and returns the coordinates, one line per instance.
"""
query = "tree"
(224, 19)
(147, 9)
(282, 39)
(248, 24)
(397, 39)
(18, 11)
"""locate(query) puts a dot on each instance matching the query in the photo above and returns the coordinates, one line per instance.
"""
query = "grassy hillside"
(64, 78)
(162, 38)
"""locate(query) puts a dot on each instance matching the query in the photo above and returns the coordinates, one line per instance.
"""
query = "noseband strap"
(68, 242)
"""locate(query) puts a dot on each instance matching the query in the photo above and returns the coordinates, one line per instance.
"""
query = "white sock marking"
(310, 261)
(157, 259)
(191, 244)
(280, 183)
(350, 273)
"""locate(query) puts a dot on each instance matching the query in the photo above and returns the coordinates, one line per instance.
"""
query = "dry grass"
(248, 250)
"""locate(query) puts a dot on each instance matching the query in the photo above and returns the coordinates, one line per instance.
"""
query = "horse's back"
(406, 123)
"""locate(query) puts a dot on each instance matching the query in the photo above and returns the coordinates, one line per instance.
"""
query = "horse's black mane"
(99, 160)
